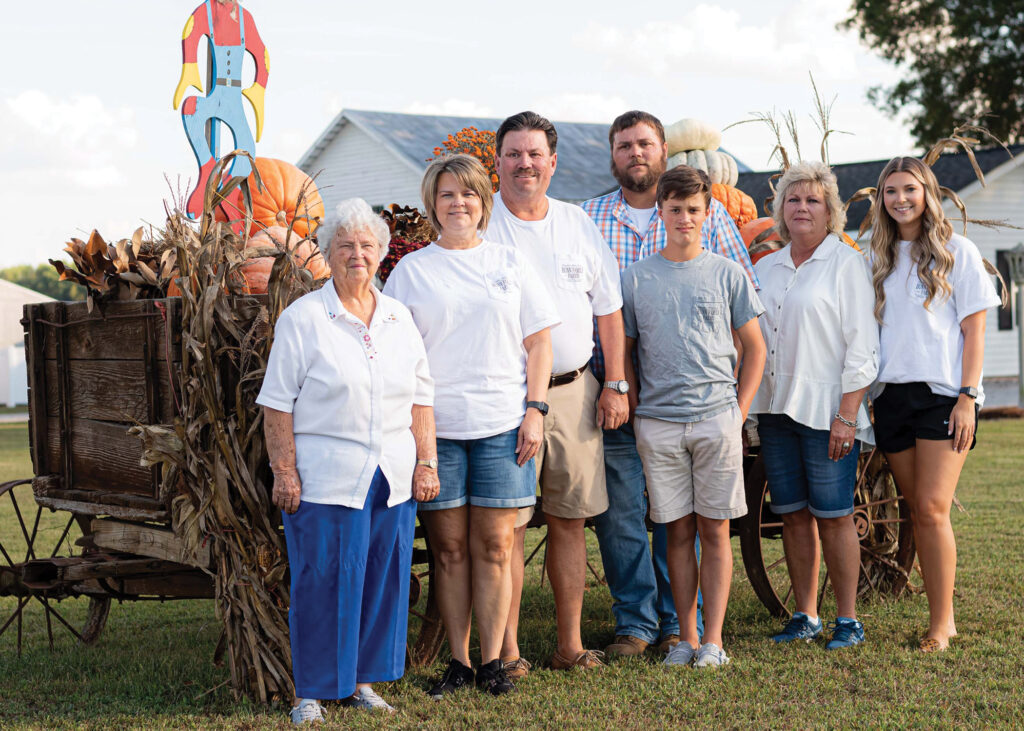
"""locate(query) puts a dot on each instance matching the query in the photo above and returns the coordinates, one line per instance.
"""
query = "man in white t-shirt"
(572, 260)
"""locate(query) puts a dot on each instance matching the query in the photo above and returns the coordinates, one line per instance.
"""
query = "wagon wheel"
(42, 537)
(431, 633)
(881, 517)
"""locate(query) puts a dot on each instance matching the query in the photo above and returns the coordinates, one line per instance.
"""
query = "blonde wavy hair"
(928, 252)
(810, 172)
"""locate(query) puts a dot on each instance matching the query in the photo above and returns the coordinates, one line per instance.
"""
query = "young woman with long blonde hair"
(932, 291)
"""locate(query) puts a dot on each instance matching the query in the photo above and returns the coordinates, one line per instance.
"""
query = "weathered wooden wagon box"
(92, 376)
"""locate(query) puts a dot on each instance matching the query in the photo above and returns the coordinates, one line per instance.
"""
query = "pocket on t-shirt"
(501, 285)
(570, 272)
(708, 314)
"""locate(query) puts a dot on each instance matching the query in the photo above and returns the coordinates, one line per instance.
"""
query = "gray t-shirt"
(682, 315)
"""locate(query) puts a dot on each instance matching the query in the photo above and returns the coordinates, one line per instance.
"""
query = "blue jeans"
(637, 573)
(800, 474)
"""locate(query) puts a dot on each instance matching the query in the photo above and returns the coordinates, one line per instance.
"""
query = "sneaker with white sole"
(799, 627)
(367, 700)
(682, 653)
(710, 655)
(309, 710)
(846, 632)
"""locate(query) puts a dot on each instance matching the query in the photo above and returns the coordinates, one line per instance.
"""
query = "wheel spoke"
(35, 531)
(22, 601)
(775, 564)
(59, 618)
(7, 556)
(21, 522)
(821, 592)
(63, 535)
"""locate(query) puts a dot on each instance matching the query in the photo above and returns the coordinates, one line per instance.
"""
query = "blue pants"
(636, 570)
(349, 592)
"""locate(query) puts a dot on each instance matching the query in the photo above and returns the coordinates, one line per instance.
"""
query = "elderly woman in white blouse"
(349, 424)
(822, 356)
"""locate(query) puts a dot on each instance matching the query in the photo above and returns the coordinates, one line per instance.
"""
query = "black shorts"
(906, 412)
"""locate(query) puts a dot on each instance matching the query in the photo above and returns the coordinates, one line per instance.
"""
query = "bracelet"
(849, 423)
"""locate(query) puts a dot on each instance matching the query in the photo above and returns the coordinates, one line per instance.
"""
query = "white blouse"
(821, 334)
(350, 390)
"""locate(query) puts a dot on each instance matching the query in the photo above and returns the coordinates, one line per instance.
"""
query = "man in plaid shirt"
(629, 222)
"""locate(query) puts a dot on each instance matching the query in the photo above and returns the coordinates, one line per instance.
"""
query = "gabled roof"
(583, 170)
(953, 170)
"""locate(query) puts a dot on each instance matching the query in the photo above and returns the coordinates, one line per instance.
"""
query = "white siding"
(1001, 200)
(354, 165)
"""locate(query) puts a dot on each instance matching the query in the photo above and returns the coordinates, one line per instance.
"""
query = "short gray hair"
(810, 172)
(353, 214)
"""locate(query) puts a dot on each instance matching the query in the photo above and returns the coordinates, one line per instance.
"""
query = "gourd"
(277, 204)
(691, 134)
(739, 205)
(303, 251)
(760, 237)
(720, 166)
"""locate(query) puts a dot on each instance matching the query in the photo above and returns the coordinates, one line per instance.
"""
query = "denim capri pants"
(483, 472)
(350, 592)
(799, 472)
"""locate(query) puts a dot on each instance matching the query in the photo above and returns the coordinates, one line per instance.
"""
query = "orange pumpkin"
(275, 205)
(739, 205)
(304, 253)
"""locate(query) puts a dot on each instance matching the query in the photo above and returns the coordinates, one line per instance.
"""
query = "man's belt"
(229, 82)
(565, 378)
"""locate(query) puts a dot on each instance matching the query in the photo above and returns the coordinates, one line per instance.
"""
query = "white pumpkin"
(691, 134)
(720, 166)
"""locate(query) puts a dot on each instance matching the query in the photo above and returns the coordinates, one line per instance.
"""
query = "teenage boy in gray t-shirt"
(684, 308)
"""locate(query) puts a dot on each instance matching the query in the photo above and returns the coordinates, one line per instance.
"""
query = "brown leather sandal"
(586, 660)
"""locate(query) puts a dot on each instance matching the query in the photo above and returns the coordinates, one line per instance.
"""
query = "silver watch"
(617, 386)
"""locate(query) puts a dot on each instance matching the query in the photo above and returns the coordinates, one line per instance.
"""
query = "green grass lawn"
(153, 665)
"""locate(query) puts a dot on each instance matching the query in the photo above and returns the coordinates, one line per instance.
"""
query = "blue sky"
(88, 138)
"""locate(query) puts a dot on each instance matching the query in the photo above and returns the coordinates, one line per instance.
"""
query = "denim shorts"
(483, 472)
(799, 472)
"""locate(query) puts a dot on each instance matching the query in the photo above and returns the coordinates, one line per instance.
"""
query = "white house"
(1001, 199)
(381, 156)
(13, 375)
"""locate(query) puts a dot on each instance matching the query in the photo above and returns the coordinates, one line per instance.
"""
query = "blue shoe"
(799, 627)
(845, 633)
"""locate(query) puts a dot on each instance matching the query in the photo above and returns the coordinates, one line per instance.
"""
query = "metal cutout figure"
(231, 32)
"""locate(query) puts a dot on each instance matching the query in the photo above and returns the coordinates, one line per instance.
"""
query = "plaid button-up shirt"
(719, 235)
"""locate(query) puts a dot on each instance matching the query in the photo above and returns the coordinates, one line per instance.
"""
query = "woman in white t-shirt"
(485, 319)
(931, 291)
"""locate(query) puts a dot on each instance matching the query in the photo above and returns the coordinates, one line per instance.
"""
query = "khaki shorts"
(696, 467)
(570, 462)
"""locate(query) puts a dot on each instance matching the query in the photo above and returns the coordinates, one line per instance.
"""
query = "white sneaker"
(366, 699)
(710, 655)
(682, 653)
(308, 711)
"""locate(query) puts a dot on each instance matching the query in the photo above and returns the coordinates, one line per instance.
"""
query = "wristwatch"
(969, 392)
(539, 405)
(617, 386)
(431, 463)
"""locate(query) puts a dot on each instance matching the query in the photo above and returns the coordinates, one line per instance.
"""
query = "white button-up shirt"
(350, 390)
(821, 333)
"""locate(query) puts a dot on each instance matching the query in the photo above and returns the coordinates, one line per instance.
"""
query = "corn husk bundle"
(215, 459)
(135, 268)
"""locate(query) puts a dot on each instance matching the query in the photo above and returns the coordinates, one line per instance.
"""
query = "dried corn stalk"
(215, 459)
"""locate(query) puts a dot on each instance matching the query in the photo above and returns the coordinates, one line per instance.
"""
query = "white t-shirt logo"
(502, 283)
(571, 271)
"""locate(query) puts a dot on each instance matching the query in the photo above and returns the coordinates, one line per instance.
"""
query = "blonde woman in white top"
(822, 356)
(932, 292)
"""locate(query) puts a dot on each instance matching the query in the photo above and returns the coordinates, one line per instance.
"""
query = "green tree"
(963, 61)
(43, 279)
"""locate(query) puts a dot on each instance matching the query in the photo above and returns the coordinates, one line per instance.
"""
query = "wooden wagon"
(95, 375)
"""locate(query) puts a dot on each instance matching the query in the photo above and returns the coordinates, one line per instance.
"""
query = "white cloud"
(451, 108)
(581, 107)
(80, 140)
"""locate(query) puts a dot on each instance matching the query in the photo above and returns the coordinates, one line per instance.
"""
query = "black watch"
(539, 405)
(969, 392)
